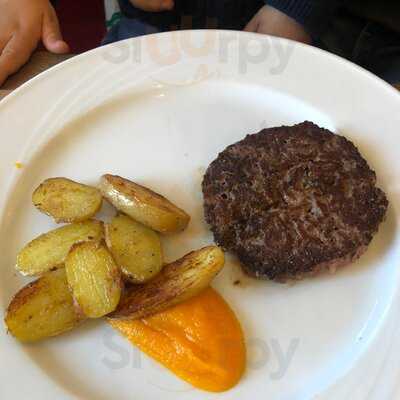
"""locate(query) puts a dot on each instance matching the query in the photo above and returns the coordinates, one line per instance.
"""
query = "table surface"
(39, 62)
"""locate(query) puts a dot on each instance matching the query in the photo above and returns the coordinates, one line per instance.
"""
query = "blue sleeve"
(312, 14)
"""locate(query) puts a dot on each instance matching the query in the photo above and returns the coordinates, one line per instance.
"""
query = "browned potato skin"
(176, 283)
(42, 309)
(66, 200)
(143, 205)
(135, 248)
(94, 278)
(49, 251)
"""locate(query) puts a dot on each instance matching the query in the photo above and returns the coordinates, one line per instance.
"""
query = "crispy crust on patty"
(292, 200)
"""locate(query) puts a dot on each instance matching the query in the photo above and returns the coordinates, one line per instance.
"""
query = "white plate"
(159, 109)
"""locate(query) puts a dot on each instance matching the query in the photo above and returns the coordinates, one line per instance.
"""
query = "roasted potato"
(66, 200)
(42, 309)
(48, 251)
(135, 248)
(94, 278)
(176, 283)
(143, 205)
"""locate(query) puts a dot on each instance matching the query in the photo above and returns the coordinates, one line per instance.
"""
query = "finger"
(15, 54)
(167, 4)
(154, 5)
(51, 34)
(3, 41)
(252, 26)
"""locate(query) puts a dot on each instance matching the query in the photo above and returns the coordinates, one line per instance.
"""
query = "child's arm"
(23, 23)
(153, 5)
(273, 22)
(299, 20)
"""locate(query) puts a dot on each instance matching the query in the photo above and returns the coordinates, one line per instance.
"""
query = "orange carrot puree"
(200, 340)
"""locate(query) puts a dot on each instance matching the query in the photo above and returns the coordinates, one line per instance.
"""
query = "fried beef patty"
(292, 200)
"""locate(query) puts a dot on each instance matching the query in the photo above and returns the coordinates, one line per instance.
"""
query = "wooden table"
(40, 61)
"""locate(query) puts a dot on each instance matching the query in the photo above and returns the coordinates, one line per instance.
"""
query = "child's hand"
(22, 24)
(153, 5)
(271, 21)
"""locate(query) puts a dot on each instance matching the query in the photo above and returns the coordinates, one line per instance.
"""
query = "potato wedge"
(135, 248)
(42, 309)
(176, 283)
(66, 200)
(143, 205)
(94, 277)
(49, 251)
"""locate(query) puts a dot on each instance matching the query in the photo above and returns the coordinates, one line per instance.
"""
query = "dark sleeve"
(126, 7)
(314, 15)
(130, 11)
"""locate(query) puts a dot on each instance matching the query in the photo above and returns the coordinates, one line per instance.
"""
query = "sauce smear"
(200, 340)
